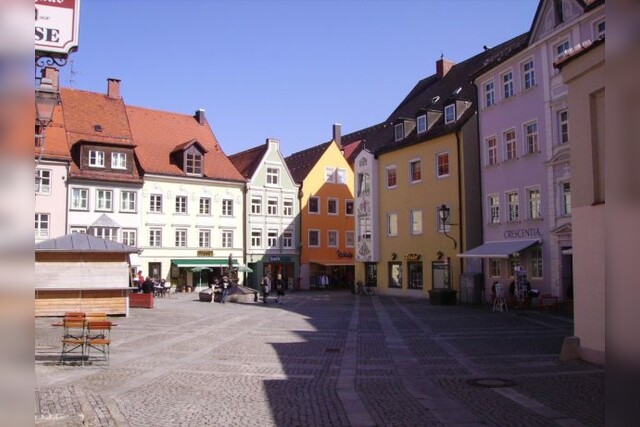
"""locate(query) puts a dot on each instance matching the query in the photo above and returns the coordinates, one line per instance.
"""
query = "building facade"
(272, 215)
(326, 215)
(524, 140)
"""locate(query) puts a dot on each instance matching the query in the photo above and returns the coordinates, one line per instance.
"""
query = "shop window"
(395, 274)
(415, 274)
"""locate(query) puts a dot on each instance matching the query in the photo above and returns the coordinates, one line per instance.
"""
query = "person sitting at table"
(147, 286)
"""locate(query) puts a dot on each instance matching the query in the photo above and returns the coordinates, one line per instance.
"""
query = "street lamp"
(47, 97)
(444, 212)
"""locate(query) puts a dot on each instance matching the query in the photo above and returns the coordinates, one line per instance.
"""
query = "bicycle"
(365, 290)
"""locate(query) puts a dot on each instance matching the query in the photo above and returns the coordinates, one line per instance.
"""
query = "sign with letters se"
(57, 23)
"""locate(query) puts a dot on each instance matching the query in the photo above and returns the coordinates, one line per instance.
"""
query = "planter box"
(141, 300)
(442, 297)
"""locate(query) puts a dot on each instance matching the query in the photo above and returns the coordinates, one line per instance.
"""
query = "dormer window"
(422, 123)
(118, 160)
(450, 113)
(399, 131)
(193, 162)
(96, 158)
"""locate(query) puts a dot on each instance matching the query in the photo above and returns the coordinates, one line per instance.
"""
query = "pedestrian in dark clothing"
(279, 294)
(147, 286)
(225, 289)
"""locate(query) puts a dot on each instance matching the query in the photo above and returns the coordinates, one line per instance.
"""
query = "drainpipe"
(460, 216)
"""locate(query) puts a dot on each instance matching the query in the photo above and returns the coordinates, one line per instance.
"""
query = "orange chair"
(73, 338)
(98, 338)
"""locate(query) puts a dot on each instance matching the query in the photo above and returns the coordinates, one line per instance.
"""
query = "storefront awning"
(499, 249)
(202, 262)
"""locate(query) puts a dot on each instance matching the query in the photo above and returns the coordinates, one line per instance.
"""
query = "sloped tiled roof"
(247, 161)
(80, 242)
(301, 163)
(157, 133)
(351, 150)
(432, 93)
(55, 144)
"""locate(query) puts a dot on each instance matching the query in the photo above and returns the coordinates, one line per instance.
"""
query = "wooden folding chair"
(98, 338)
(73, 338)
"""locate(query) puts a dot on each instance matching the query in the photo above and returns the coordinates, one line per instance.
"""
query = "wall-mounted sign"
(57, 23)
(522, 232)
(345, 254)
(204, 254)
(412, 257)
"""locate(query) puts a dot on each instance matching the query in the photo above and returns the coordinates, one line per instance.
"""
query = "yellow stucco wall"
(426, 195)
(314, 185)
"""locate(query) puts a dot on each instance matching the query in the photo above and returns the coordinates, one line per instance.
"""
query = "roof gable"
(189, 144)
(300, 164)
(551, 14)
(247, 161)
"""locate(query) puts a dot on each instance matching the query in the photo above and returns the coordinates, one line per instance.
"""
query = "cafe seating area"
(84, 333)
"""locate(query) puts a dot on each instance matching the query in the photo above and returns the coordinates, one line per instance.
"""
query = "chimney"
(337, 134)
(52, 74)
(443, 66)
(200, 116)
(113, 88)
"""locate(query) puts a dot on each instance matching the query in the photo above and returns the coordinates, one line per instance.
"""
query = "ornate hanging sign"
(56, 29)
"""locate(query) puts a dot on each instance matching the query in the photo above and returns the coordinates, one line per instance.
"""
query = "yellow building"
(327, 215)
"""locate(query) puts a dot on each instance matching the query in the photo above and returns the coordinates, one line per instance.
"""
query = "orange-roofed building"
(191, 208)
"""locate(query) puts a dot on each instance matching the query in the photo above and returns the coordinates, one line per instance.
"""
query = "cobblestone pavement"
(321, 359)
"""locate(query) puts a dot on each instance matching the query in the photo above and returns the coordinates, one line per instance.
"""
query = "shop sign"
(56, 26)
(277, 258)
(204, 254)
(345, 254)
(522, 232)
(412, 257)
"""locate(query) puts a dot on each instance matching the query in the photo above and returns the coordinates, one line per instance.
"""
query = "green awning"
(202, 262)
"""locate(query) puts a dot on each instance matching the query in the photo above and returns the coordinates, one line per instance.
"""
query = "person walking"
(225, 289)
(266, 287)
(279, 293)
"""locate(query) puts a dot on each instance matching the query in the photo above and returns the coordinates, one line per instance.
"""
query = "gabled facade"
(104, 183)
(52, 168)
(191, 205)
(524, 139)
(272, 215)
(327, 215)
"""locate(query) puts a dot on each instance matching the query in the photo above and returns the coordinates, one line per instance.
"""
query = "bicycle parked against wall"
(364, 289)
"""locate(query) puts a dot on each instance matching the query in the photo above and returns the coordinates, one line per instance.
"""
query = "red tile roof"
(351, 150)
(158, 133)
(247, 161)
(55, 141)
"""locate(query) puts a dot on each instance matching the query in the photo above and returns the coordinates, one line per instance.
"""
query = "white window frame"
(513, 209)
(489, 93)
(565, 198)
(204, 206)
(438, 156)
(493, 150)
(495, 267)
(272, 238)
(350, 239)
(415, 227)
(508, 91)
(330, 174)
(155, 237)
(346, 207)
(421, 123)
(256, 205)
(315, 231)
(204, 238)
(41, 187)
(336, 211)
(256, 238)
(107, 233)
(226, 239)
(411, 163)
(272, 206)
(107, 206)
(510, 143)
(331, 235)
(341, 176)
(440, 228)
(287, 240)
(96, 158)
(449, 113)
(317, 199)
(493, 209)
(77, 230)
(155, 206)
(84, 201)
(392, 221)
(563, 126)
(536, 262)
(273, 175)
(534, 205)
(182, 205)
(193, 163)
(127, 198)
(129, 236)
(531, 143)
(528, 74)
(118, 160)
(287, 206)
(227, 208)
(398, 132)
(565, 44)
(388, 169)
(42, 225)
(181, 237)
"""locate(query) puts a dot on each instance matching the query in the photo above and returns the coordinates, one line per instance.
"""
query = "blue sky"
(284, 69)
